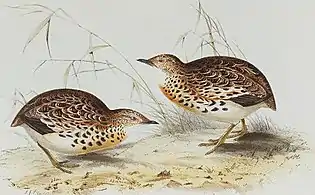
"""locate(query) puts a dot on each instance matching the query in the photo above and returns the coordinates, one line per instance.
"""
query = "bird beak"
(150, 122)
(148, 62)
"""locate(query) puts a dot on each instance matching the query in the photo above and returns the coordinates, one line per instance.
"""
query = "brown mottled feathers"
(222, 77)
(62, 109)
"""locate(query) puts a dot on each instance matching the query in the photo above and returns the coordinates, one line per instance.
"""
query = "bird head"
(128, 117)
(166, 62)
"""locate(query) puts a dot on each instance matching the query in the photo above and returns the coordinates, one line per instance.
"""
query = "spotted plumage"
(221, 88)
(75, 122)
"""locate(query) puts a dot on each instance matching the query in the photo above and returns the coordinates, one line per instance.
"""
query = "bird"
(74, 122)
(219, 88)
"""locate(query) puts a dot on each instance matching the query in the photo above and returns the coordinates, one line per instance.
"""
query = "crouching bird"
(74, 122)
(221, 88)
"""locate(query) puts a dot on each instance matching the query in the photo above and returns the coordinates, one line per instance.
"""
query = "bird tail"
(17, 121)
(271, 103)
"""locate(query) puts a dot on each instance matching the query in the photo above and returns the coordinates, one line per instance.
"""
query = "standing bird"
(74, 122)
(221, 88)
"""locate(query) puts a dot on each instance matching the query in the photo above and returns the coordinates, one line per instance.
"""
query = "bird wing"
(63, 110)
(228, 78)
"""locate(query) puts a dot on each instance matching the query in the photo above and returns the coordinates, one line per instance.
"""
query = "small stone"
(87, 174)
(208, 177)
(221, 174)
(148, 185)
(173, 183)
(164, 173)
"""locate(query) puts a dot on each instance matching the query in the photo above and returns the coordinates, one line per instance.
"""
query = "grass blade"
(37, 31)
(67, 72)
(47, 37)
(97, 47)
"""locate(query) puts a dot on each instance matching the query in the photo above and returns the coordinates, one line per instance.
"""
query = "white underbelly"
(54, 142)
(233, 114)
(68, 145)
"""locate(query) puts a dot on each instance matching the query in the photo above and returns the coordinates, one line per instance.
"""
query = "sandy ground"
(161, 161)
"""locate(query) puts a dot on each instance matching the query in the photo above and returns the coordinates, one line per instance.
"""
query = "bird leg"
(219, 141)
(233, 134)
(57, 164)
(239, 133)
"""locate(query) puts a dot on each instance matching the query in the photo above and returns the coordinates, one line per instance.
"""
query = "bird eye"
(133, 118)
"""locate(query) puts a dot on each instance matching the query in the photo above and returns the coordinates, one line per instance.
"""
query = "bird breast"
(75, 142)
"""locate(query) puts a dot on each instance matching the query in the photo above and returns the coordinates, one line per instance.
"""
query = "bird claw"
(218, 142)
(211, 151)
(63, 170)
(57, 164)
(67, 164)
(205, 144)
(63, 162)
(213, 141)
(234, 135)
(60, 167)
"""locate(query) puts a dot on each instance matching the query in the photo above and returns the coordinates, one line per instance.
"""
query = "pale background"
(276, 36)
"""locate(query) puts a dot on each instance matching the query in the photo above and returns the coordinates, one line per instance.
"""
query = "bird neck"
(174, 68)
(118, 117)
(117, 123)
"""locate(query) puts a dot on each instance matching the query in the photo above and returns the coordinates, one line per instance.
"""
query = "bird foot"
(67, 164)
(211, 142)
(64, 164)
(216, 144)
(236, 135)
(206, 144)
(57, 164)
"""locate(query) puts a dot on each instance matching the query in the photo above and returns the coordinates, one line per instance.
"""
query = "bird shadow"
(262, 144)
(108, 158)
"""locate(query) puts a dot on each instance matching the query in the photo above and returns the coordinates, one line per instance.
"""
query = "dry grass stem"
(173, 120)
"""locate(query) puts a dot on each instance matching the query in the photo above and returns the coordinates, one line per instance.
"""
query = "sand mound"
(159, 161)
